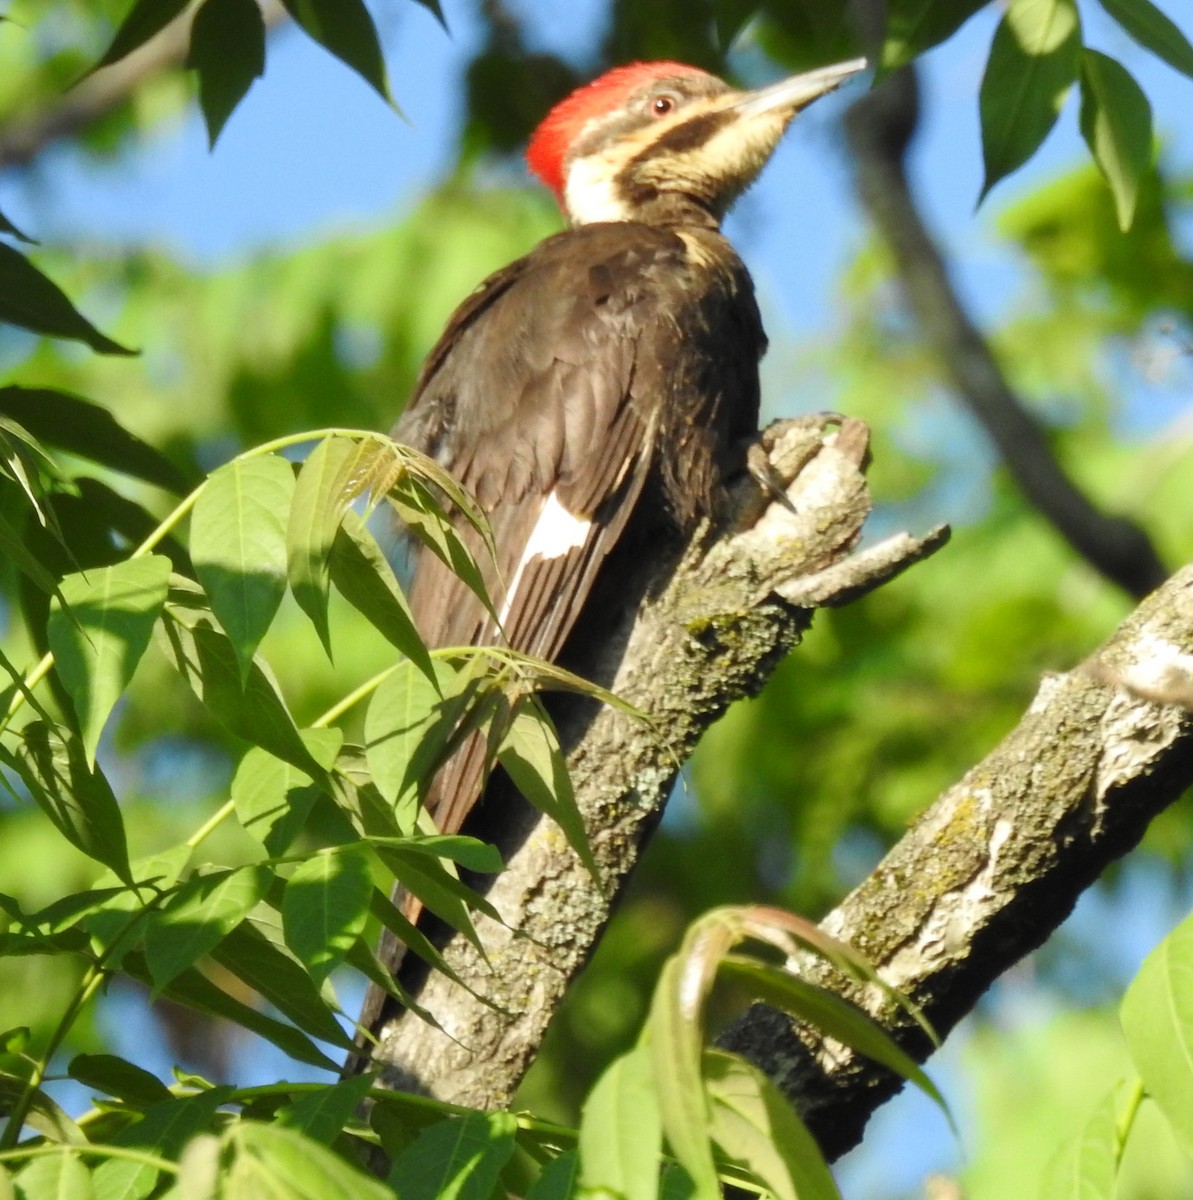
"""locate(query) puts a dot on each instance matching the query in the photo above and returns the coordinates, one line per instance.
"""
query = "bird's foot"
(777, 455)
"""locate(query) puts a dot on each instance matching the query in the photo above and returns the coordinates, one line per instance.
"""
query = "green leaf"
(408, 934)
(238, 546)
(829, 1014)
(194, 990)
(322, 1114)
(1152, 29)
(252, 709)
(199, 1171)
(55, 1177)
(282, 980)
(1116, 122)
(363, 958)
(273, 798)
(345, 28)
(73, 794)
(166, 1127)
(914, 26)
(675, 1045)
(558, 1179)
(1033, 63)
(14, 1040)
(28, 464)
(99, 631)
(325, 906)
(194, 920)
(115, 925)
(1157, 1018)
(32, 301)
(531, 755)
(758, 1131)
(15, 551)
(1085, 1167)
(334, 474)
(122, 1179)
(227, 52)
(469, 852)
(423, 514)
(458, 1159)
(68, 911)
(621, 1131)
(731, 17)
(409, 726)
(90, 431)
(114, 1076)
(144, 19)
(437, 888)
(45, 1114)
(269, 1161)
(369, 813)
(365, 579)
(676, 1183)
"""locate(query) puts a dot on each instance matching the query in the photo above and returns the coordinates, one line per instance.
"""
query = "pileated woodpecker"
(607, 381)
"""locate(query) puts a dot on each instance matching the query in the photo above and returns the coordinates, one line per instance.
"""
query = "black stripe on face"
(686, 136)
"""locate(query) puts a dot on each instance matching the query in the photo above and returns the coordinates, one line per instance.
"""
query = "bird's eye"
(662, 106)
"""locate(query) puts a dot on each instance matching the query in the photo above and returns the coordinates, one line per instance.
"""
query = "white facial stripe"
(555, 533)
(589, 193)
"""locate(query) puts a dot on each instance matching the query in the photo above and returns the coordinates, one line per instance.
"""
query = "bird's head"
(662, 141)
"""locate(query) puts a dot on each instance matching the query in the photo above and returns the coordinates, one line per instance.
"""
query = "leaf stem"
(105, 1151)
(92, 978)
(20, 1110)
(355, 696)
(209, 826)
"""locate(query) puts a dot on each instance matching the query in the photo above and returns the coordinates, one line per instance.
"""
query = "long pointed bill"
(798, 91)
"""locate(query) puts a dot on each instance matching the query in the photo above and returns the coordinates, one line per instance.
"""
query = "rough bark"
(996, 864)
(727, 613)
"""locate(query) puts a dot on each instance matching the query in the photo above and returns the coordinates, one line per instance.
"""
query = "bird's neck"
(594, 194)
(663, 212)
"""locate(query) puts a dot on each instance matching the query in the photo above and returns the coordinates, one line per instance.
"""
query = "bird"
(605, 385)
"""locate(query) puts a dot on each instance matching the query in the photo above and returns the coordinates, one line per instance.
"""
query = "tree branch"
(101, 93)
(710, 630)
(997, 863)
(880, 127)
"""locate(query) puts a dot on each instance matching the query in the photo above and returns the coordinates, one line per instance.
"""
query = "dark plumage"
(601, 347)
(601, 389)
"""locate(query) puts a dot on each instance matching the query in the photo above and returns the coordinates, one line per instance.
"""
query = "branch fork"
(714, 622)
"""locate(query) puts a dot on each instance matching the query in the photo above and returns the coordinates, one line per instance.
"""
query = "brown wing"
(544, 411)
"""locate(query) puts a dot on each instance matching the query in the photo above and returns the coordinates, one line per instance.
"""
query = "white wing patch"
(555, 533)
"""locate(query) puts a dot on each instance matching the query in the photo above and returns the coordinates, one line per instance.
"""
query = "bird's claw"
(768, 478)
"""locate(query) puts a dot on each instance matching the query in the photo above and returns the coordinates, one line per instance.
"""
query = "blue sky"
(312, 149)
